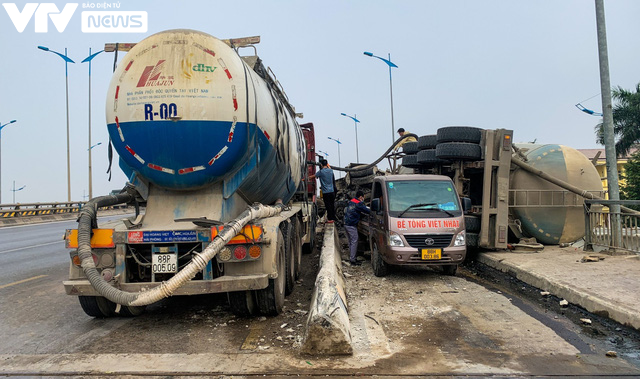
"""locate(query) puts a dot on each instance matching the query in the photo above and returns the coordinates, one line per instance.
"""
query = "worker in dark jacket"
(352, 214)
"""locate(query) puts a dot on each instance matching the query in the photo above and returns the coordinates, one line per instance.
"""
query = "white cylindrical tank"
(184, 111)
(547, 212)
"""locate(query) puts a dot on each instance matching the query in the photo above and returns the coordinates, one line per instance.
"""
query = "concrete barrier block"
(328, 329)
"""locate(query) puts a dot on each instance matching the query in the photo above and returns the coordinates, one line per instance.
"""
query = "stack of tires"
(451, 143)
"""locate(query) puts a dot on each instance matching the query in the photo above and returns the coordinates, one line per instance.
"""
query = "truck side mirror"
(466, 204)
(375, 205)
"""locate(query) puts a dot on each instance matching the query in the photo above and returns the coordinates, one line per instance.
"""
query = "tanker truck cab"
(416, 220)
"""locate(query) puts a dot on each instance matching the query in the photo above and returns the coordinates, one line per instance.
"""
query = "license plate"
(431, 254)
(164, 263)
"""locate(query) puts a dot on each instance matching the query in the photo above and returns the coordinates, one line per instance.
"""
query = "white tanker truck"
(212, 149)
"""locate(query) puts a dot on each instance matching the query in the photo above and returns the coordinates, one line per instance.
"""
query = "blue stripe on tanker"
(181, 145)
(185, 144)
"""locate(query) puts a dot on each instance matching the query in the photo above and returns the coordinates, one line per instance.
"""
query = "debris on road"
(586, 321)
(592, 258)
(545, 293)
(611, 354)
(564, 303)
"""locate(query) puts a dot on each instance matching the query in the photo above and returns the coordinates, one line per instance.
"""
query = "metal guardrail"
(42, 209)
(546, 198)
(598, 226)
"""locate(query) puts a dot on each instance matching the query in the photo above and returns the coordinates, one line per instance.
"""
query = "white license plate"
(164, 263)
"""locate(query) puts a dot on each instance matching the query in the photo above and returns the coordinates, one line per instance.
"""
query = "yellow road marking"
(22, 281)
(251, 342)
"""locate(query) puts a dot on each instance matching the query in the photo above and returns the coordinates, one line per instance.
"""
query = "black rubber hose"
(364, 167)
(86, 222)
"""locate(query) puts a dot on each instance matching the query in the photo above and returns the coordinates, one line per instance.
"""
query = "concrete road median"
(328, 329)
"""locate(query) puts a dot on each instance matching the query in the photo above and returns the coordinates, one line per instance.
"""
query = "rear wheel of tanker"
(459, 151)
(290, 259)
(97, 306)
(242, 303)
(297, 248)
(459, 134)
(307, 248)
(380, 267)
(271, 299)
(129, 311)
(450, 270)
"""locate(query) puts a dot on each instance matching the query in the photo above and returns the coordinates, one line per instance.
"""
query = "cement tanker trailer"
(212, 149)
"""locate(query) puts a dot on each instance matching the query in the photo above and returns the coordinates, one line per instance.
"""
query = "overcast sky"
(519, 65)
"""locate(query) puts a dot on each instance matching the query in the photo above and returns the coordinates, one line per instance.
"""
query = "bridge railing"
(42, 209)
(600, 227)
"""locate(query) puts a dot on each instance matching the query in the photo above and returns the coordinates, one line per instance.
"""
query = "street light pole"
(391, 65)
(67, 60)
(607, 124)
(2, 127)
(356, 121)
(88, 59)
(339, 143)
(16, 190)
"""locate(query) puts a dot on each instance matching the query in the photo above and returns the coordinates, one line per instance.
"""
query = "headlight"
(460, 240)
(395, 240)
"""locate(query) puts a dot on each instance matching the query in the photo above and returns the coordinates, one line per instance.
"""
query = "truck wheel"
(242, 303)
(427, 142)
(290, 259)
(472, 224)
(472, 239)
(97, 306)
(362, 180)
(128, 311)
(380, 267)
(428, 157)
(297, 247)
(450, 270)
(360, 173)
(271, 299)
(459, 134)
(410, 147)
(307, 248)
(459, 151)
(410, 161)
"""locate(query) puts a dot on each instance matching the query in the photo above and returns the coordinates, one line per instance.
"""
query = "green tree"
(630, 188)
(626, 120)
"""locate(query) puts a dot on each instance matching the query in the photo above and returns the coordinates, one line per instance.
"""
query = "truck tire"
(129, 311)
(362, 181)
(450, 270)
(360, 173)
(472, 239)
(410, 147)
(428, 157)
(380, 267)
(271, 299)
(410, 161)
(472, 224)
(427, 142)
(459, 134)
(308, 247)
(297, 247)
(242, 303)
(97, 306)
(459, 151)
(290, 259)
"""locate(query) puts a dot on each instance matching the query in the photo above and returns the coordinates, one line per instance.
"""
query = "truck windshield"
(424, 198)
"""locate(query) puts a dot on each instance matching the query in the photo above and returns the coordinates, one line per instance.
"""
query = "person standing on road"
(328, 189)
(352, 214)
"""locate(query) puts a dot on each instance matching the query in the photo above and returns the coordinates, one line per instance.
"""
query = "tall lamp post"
(67, 60)
(339, 143)
(356, 121)
(391, 65)
(16, 190)
(324, 152)
(88, 59)
(2, 127)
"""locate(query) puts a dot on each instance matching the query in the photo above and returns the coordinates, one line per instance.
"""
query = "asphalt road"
(413, 322)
